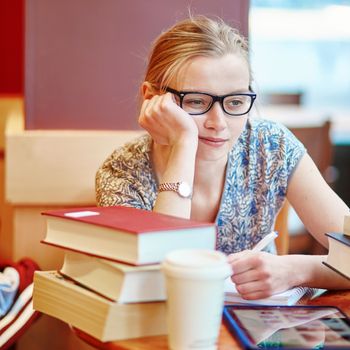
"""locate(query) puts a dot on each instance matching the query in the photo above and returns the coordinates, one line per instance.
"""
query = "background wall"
(85, 59)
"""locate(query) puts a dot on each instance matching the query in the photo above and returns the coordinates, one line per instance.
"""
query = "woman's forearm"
(179, 168)
(308, 270)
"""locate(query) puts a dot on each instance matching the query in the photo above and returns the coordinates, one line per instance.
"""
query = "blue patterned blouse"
(259, 167)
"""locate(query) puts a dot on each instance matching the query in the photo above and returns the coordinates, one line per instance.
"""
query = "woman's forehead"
(221, 74)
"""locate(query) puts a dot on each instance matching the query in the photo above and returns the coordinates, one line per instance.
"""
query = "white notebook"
(289, 297)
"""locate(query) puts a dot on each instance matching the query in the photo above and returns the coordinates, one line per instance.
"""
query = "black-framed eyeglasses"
(196, 103)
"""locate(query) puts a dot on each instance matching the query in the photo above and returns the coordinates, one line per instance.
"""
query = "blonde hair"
(195, 36)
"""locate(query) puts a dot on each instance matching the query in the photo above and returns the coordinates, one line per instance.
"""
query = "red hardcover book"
(125, 234)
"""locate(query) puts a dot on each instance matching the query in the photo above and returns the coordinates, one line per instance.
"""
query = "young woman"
(205, 159)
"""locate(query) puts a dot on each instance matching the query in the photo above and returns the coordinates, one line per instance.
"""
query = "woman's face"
(217, 130)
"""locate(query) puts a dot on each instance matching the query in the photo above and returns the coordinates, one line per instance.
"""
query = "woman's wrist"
(308, 270)
(188, 141)
(300, 269)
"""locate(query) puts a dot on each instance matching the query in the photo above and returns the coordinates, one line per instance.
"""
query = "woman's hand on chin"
(166, 122)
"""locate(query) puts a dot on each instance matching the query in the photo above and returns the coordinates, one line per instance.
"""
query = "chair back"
(317, 141)
(318, 144)
(290, 98)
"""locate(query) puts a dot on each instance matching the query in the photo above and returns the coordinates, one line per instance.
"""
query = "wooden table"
(226, 340)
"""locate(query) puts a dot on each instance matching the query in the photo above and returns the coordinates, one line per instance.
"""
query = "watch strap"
(169, 186)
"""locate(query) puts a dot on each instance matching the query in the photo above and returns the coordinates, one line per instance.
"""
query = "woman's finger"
(148, 112)
(253, 290)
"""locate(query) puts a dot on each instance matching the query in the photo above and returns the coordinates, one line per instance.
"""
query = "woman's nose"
(215, 117)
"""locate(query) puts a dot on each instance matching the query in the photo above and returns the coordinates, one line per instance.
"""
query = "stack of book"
(110, 285)
(338, 258)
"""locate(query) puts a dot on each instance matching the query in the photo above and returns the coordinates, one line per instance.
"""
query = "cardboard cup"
(195, 297)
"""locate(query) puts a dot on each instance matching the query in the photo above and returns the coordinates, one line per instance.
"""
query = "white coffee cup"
(195, 297)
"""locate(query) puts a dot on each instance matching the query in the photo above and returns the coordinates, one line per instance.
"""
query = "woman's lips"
(213, 141)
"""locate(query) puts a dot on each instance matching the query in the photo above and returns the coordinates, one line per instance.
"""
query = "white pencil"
(265, 241)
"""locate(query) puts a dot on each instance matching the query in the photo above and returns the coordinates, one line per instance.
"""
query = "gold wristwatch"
(182, 188)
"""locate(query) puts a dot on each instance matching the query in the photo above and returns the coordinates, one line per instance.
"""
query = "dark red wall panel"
(11, 46)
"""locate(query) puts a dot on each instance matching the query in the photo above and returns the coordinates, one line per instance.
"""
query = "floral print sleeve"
(126, 177)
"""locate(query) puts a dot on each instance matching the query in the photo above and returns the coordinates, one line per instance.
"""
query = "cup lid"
(196, 263)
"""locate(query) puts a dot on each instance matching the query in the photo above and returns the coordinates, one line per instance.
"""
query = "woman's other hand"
(166, 122)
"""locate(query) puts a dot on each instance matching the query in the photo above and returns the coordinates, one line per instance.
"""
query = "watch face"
(185, 190)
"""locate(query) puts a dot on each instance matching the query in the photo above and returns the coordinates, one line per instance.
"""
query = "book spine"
(347, 225)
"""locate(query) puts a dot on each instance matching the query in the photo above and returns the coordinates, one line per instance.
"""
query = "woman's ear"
(147, 90)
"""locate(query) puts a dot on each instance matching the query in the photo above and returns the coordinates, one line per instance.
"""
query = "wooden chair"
(281, 226)
(317, 141)
(292, 98)
(318, 144)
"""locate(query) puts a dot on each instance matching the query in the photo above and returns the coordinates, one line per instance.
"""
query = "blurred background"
(300, 54)
(303, 47)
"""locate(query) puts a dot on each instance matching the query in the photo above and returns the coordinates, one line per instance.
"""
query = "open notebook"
(289, 297)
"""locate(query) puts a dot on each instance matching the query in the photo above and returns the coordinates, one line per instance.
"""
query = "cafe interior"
(70, 72)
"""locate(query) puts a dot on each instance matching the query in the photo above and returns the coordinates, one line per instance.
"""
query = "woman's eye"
(235, 102)
(194, 102)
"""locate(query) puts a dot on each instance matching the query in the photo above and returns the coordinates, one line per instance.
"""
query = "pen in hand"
(265, 241)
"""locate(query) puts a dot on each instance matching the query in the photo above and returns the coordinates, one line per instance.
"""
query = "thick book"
(338, 258)
(97, 316)
(119, 282)
(286, 298)
(125, 234)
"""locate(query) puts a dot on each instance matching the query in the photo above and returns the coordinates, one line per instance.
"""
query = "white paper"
(81, 214)
(289, 297)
